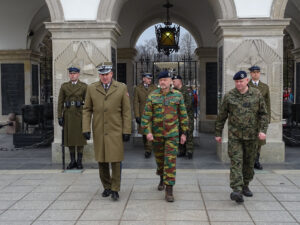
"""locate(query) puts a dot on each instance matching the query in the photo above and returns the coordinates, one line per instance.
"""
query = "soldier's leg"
(190, 144)
(72, 163)
(171, 149)
(235, 152)
(147, 146)
(79, 157)
(158, 148)
(257, 164)
(249, 158)
(116, 176)
(181, 149)
(104, 175)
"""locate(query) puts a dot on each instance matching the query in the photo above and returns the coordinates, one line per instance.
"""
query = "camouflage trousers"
(188, 146)
(242, 154)
(165, 151)
(147, 144)
(79, 149)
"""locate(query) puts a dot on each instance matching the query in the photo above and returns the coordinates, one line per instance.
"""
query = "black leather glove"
(126, 137)
(61, 121)
(87, 135)
(138, 120)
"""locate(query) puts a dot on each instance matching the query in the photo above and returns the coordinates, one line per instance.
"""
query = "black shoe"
(236, 196)
(106, 193)
(147, 155)
(190, 155)
(181, 154)
(257, 165)
(114, 195)
(73, 163)
(246, 191)
(79, 161)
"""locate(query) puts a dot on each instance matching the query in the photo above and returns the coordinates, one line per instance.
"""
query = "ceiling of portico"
(198, 17)
(293, 11)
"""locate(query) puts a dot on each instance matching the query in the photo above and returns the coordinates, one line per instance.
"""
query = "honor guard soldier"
(247, 115)
(107, 105)
(187, 148)
(69, 111)
(164, 115)
(141, 93)
(264, 90)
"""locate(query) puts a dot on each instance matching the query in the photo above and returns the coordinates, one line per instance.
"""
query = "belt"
(73, 102)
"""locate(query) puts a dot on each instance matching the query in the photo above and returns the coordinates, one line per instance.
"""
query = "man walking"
(247, 116)
(107, 102)
(164, 115)
(69, 111)
(264, 90)
(141, 93)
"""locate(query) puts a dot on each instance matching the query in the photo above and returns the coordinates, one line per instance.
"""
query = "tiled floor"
(46, 197)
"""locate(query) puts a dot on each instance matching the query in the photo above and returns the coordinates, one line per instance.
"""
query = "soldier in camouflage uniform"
(187, 148)
(69, 112)
(141, 93)
(264, 90)
(247, 116)
(164, 115)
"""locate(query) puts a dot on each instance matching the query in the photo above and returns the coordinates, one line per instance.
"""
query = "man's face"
(165, 83)
(106, 78)
(255, 75)
(73, 76)
(147, 80)
(177, 83)
(241, 85)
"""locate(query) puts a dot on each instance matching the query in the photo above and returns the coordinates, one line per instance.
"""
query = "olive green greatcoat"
(111, 115)
(265, 92)
(139, 100)
(72, 115)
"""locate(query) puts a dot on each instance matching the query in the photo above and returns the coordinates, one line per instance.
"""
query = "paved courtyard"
(44, 197)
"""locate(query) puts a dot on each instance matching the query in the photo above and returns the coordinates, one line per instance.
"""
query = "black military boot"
(73, 163)
(169, 193)
(147, 155)
(246, 191)
(114, 195)
(161, 185)
(106, 193)
(79, 161)
(189, 155)
(237, 196)
(257, 164)
(181, 154)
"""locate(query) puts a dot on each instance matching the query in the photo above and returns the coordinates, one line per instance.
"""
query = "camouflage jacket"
(247, 114)
(165, 114)
(187, 96)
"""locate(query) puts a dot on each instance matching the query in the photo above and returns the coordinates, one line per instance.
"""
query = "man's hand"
(138, 120)
(262, 136)
(150, 137)
(87, 135)
(126, 137)
(182, 139)
(218, 139)
(61, 121)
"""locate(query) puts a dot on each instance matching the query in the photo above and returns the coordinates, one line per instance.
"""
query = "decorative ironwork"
(167, 37)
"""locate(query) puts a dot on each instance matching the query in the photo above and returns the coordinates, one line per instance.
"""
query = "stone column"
(241, 44)
(205, 55)
(85, 44)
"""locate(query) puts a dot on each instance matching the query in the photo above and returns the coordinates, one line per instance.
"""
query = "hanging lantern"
(167, 37)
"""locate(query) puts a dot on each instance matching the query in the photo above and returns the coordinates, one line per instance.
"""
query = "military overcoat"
(110, 114)
(72, 115)
(139, 100)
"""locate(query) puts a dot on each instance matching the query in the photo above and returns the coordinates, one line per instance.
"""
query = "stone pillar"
(86, 44)
(205, 55)
(241, 44)
(27, 58)
(296, 53)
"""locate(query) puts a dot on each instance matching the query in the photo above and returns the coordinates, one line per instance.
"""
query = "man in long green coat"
(69, 111)
(107, 102)
(264, 90)
(141, 93)
(188, 147)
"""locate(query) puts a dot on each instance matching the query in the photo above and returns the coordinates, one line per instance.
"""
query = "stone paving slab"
(48, 197)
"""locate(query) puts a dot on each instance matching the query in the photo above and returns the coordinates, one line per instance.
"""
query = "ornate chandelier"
(167, 37)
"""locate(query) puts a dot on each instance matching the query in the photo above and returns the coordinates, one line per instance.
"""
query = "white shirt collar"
(74, 82)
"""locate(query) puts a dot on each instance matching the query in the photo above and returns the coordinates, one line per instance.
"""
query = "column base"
(88, 153)
(272, 152)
